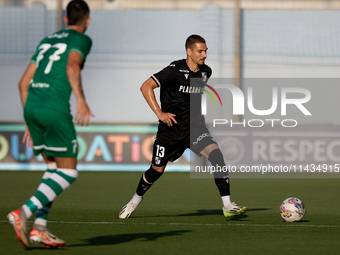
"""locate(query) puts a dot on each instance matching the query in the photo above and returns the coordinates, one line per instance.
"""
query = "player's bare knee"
(69, 163)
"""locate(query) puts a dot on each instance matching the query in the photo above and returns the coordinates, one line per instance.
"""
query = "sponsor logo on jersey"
(190, 89)
(184, 71)
(40, 85)
(59, 36)
(186, 76)
(172, 65)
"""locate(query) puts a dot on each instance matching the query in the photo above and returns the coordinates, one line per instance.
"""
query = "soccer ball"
(292, 209)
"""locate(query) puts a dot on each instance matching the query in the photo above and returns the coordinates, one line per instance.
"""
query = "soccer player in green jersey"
(45, 89)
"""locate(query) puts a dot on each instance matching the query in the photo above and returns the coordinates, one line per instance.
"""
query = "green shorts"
(52, 132)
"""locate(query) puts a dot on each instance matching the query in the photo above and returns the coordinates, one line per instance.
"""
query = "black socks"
(147, 179)
(222, 177)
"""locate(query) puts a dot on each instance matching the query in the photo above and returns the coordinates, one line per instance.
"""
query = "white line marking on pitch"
(193, 224)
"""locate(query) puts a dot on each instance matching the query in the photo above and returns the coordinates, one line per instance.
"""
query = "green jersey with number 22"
(50, 86)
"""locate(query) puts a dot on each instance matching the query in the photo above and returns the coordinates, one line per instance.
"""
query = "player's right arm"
(147, 90)
(73, 69)
(25, 81)
(24, 84)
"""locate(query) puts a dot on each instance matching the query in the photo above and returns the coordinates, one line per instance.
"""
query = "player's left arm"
(24, 84)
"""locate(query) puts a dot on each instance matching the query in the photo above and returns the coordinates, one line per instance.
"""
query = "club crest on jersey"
(204, 76)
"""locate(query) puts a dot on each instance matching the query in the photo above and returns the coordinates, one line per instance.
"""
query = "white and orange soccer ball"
(292, 209)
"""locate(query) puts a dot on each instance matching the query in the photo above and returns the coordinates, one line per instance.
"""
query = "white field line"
(191, 224)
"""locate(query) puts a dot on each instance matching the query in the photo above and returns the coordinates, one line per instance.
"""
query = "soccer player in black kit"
(175, 119)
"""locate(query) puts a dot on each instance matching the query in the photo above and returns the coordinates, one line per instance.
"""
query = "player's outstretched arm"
(73, 70)
(149, 95)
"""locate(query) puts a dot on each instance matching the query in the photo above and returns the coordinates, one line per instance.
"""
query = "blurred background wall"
(132, 39)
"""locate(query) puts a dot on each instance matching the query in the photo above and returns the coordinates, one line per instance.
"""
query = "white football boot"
(232, 209)
(128, 209)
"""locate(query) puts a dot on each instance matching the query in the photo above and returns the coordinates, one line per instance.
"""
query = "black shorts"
(171, 142)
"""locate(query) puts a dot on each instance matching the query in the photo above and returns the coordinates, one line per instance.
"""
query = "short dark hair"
(77, 12)
(192, 39)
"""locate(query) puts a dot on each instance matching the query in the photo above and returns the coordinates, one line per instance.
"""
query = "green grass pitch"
(179, 215)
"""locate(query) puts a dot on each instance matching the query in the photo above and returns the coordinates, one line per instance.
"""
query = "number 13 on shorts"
(160, 151)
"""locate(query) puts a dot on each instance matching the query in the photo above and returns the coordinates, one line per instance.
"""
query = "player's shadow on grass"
(202, 213)
(217, 212)
(125, 238)
(206, 213)
(197, 213)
